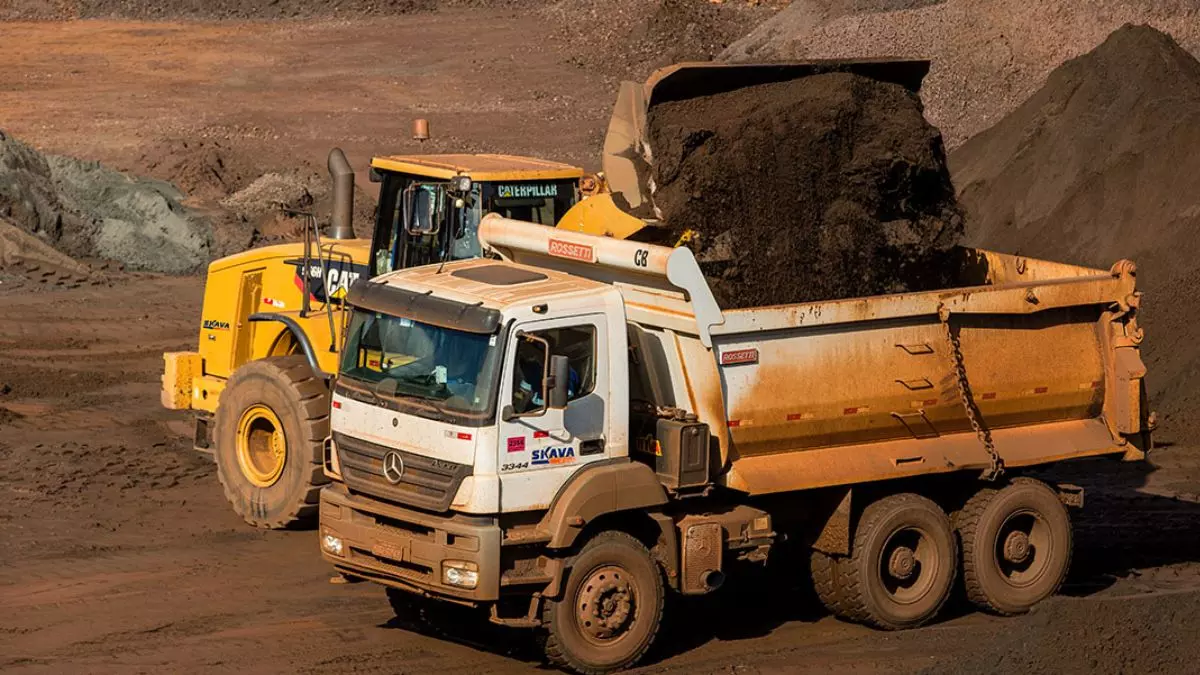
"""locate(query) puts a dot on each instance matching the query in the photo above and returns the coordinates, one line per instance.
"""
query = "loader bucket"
(627, 157)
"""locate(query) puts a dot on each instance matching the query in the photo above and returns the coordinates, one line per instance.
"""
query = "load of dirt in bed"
(1102, 164)
(821, 188)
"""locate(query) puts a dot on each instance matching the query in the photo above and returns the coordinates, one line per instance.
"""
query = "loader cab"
(430, 206)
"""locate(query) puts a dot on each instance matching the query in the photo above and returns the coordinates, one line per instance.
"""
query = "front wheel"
(610, 610)
(270, 426)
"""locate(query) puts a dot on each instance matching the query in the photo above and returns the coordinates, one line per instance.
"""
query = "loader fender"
(596, 490)
(300, 337)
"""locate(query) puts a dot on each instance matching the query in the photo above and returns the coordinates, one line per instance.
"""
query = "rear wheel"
(901, 568)
(610, 609)
(1016, 544)
(269, 429)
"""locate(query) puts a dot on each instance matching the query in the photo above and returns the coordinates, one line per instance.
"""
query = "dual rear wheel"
(1015, 544)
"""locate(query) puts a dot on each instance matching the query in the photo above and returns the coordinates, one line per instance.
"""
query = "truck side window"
(577, 343)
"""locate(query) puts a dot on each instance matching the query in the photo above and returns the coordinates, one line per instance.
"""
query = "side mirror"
(558, 382)
(508, 414)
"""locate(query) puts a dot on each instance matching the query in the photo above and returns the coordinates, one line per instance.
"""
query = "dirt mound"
(826, 187)
(630, 38)
(201, 168)
(85, 210)
(988, 55)
(1099, 165)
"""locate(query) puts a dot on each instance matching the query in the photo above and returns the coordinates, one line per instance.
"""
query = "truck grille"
(425, 482)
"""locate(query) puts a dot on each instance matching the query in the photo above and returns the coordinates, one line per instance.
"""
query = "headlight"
(460, 573)
(331, 544)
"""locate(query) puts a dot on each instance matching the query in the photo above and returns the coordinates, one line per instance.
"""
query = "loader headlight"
(331, 544)
(460, 573)
(461, 184)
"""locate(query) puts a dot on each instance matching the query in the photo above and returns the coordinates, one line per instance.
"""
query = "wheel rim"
(908, 565)
(1022, 548)
(261, 446)
(606, 605)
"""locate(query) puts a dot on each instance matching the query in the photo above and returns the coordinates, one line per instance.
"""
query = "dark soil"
(1099, 165)
(826, 187)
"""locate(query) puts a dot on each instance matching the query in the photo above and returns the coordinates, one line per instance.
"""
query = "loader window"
(577, 343)
(541, 202)
(401, 358)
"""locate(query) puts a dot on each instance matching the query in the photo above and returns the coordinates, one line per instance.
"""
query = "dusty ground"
(278, 94)
(119, 553)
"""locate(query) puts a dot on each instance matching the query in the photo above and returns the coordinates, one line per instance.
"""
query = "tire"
(279, 412)
(828, 581)
(613, 573)
(1016, 546)
(902, 565)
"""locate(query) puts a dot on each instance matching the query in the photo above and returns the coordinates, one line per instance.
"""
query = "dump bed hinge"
(996, 468)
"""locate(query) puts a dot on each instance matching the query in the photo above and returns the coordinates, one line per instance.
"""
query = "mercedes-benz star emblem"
(393, 467)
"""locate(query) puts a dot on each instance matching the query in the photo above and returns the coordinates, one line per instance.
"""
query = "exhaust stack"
(342, 225)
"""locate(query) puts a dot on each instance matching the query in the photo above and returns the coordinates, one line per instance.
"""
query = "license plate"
(391, 552)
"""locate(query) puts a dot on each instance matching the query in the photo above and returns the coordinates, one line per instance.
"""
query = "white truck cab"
(456, 356)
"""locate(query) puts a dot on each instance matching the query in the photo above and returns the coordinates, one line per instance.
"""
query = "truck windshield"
(402, 358)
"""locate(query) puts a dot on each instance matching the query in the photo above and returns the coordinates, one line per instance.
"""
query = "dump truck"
(272, 318)
(574, 428)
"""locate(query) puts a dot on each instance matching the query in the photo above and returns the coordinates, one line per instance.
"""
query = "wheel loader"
(273, 319)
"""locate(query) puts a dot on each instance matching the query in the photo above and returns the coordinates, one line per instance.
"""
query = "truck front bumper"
(410, 549)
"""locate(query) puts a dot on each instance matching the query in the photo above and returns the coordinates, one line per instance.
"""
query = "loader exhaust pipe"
(342, 218)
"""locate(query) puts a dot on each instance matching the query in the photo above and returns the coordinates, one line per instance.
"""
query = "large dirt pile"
(1101, 164)
(825, 187)
(85, 209)
(988, 55)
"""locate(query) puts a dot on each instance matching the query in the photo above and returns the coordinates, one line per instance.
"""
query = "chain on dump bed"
(964, 392)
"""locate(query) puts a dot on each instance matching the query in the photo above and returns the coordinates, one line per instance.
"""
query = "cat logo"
(543, 456)
(213, 324)
(329, 281)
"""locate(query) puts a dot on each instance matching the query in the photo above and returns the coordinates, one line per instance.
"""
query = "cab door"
(540, 447)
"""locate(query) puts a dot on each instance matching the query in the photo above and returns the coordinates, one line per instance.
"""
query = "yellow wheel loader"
(273, 319)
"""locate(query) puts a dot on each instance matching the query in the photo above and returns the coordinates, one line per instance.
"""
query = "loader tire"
(269, 432)
(1016, 546)
(901, 567)
(610, 610)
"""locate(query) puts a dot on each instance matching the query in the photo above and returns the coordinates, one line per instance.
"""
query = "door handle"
(592, 447)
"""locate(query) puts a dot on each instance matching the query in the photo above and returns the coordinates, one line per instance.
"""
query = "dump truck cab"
(273, 317)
